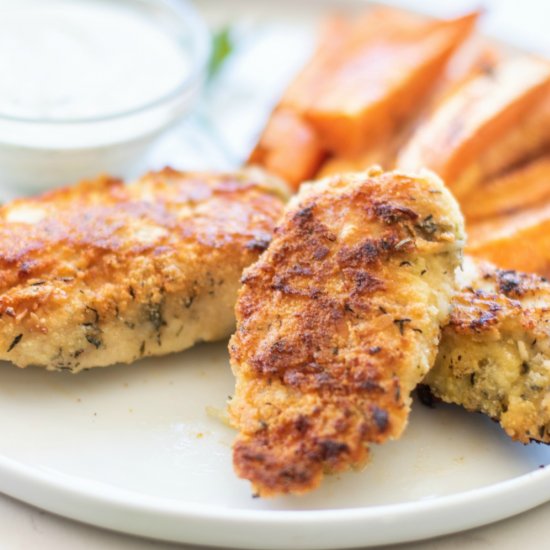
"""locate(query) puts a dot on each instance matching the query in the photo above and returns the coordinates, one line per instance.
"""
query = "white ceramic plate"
(132, 448)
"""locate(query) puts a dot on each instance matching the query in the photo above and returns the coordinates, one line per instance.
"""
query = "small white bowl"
(42, 152)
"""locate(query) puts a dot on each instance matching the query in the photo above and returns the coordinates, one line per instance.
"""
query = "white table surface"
(23, 527)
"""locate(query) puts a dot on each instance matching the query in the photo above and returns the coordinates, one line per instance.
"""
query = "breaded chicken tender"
(103, 272)
(337, 322)
(494, 355)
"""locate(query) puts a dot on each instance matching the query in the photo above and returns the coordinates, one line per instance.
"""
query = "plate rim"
(100, 503)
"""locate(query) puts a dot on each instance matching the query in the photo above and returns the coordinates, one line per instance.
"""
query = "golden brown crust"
(494, 355)
(337, 322)
(103, 252)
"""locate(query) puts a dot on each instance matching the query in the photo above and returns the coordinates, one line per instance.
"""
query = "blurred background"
(193, 114)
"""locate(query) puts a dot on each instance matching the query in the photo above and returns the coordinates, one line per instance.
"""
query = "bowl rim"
(201, 51)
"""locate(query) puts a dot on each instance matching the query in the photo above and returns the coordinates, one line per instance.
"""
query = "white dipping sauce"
(74, 59)
(87, 85)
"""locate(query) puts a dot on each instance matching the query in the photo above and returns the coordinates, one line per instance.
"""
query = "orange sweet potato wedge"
(294, 147)
(486, 126)
(288, 148)
(377, 78)
(339, 165)
(519, 241)
(520, 189)
(475, 57)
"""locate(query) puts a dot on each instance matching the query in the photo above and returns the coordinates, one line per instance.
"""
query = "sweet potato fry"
(367, 77)
(288, 148)
(487, 125)
(518, 190)
(475, 57)
(386, 68)
(338, 165)
(519, 241)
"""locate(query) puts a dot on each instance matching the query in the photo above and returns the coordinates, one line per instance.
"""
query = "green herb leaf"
(222, 47)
